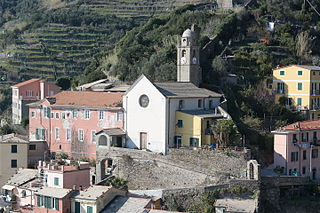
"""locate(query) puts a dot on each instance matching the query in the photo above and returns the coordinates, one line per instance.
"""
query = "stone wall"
(179, 169)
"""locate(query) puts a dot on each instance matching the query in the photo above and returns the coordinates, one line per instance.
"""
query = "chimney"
(42, 89)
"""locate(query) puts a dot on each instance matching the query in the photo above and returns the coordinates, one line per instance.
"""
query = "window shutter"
(56, 203)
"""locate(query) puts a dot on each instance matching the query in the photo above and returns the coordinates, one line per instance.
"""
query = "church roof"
(184, 90)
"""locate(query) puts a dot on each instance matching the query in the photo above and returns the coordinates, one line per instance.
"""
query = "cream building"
(300, 84)
(13, 155)
(94, 199)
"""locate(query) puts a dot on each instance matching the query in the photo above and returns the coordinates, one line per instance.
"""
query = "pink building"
(68, 122)
(28, 92)
(296, 149)
(53, 200)
(65, 176)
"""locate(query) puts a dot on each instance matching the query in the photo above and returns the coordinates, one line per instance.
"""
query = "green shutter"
(56, 203)
(299, 86)
(89, 209)
(38, 200)
(49, 202)
(299, 101)
(282, 72)
(56, 181)
(48, 113)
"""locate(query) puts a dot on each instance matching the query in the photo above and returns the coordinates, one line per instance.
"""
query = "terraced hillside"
(55, 50)
(138, 8)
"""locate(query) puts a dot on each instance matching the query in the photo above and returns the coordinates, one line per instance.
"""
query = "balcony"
(279, 91)
(315, 92)
(315, 108)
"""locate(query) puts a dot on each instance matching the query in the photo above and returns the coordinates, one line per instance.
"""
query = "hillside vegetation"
(243, 44)
(54, 38)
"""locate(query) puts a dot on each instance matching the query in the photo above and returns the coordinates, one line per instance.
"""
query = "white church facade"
(150, 108)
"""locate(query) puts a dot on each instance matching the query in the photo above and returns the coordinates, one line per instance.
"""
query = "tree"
(219, 65)
(226, 132)
(304, 44)
(64, 83)
(119, 183)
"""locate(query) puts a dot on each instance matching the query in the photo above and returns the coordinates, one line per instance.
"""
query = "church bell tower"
(188, 61)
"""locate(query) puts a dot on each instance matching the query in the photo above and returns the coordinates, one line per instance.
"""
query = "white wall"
(151, 119)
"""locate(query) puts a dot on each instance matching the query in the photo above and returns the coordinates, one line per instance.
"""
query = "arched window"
(184, 52)
(23, 193)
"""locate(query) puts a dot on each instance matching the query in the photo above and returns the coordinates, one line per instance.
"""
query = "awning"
(8, 187)
(112, 132)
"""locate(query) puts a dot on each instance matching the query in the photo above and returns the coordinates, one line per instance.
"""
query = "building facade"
(150, 111)
(296, 149)
(13, 155)
(300, 85)
(27, 92)
(68, 122)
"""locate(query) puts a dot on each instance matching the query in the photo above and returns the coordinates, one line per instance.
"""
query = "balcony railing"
(315, 107)
(279, 91)
(315, 92)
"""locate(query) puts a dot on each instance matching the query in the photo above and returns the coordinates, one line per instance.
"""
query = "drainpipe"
(168, 134)
(310, 161)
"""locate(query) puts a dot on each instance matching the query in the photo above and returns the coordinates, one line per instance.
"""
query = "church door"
(143, 140)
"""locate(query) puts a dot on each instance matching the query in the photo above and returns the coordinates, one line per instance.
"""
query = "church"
(163, 115)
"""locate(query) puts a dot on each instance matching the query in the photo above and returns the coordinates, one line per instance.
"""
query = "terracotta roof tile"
(303, 125)
(88, 99)
(27, 82)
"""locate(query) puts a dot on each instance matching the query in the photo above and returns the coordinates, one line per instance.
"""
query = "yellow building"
(194, 127)
(301, 85)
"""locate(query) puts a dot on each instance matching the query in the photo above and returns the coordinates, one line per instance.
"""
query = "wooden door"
(143, 140)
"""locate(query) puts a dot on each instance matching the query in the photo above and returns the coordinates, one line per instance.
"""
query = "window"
(39, 200)
(180, 123)
(46, 112)
(87, 114)
(14, 163)
(314, 153)
(304, 155)
(305, 136)
(56, 181)
(63, 115)
(299, 101)
(101, 115)
(89, 209)
(80, 135)
(119, 116)
(23, 193)
(68, 135)
(32, 147)
(294, 156)
(57, 115)
(14, 149)
(280, 88)
(40, 134)
(177, 141)
(303, 170)
(294, 138)
(57, 133)
(210, 104)
(199, 103)
(194, 142)
(314, 73)
(299, 86)
(282, 72)
(74, 113)
(93, 136)
(33, 114)
(56, 203)
(180, 104)
(300, 72)
(52, 115)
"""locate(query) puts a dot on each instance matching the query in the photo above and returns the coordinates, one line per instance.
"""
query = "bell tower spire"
(188, 63)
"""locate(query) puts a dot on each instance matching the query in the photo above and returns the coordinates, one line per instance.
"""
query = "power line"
(313, 7)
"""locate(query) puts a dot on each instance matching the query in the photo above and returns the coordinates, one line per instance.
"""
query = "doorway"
(143, 140)
(314, 173)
